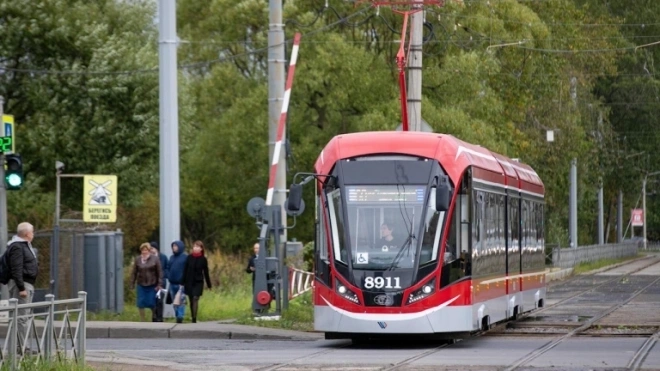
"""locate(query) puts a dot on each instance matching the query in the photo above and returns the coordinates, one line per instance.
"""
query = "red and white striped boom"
(281, 125)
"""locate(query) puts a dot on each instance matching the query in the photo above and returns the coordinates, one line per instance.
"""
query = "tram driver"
(388, 241)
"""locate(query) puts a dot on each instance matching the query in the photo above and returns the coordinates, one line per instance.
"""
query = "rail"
(55, 340)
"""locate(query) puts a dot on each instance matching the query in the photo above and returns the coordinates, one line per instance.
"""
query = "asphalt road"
(483, 353)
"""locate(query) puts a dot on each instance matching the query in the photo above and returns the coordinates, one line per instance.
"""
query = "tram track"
(577, 329)
(409, 360)
(553, 343)
(518, 322)
(292, 362)
(638, 358)
(615, 278)
(499, 329)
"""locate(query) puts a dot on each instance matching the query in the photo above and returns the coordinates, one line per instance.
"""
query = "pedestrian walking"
(160, 296)
(195, 272)
(147, 277)
(164, 264)
(177, 265)
(24, 268)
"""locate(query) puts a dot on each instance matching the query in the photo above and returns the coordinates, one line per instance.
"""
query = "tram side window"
(524, 228)
(514, 224)
(454, 263)
(431, 234)
(500, 266)
(321, 242)
(539, 261)
(478, 235)
(540, 228)
(337, 225)
(321, 263)
(489, 223)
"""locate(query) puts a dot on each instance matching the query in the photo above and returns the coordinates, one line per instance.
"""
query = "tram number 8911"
(382, 282)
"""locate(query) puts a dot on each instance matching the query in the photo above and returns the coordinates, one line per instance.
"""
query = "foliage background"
(81, 79)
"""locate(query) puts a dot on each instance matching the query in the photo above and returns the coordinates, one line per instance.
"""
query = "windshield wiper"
(399, 254)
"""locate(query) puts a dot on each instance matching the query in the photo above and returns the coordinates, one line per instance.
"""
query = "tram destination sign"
(399, 193)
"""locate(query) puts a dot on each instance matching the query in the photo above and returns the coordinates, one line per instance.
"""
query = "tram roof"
(454, 154)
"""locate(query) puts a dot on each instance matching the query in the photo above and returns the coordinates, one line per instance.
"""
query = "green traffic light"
(14, 180)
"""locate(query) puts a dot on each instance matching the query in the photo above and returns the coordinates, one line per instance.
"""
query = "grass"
(230, 298)
(299, 316)
(590, 266)
(30, 364)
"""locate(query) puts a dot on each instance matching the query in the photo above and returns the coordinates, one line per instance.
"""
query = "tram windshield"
(383, 227)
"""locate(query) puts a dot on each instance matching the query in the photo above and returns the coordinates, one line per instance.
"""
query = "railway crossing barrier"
(300, 282)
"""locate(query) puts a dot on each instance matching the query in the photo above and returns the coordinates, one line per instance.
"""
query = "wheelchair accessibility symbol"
(362, 258)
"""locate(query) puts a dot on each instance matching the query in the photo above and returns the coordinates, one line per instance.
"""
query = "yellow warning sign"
(100, 199)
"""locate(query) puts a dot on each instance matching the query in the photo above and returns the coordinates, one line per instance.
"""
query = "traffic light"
(13, 172)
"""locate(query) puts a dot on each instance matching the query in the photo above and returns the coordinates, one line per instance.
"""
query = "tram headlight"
(425, 291)
(346, 293)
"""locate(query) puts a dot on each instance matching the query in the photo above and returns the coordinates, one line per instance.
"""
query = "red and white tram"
(422, 233)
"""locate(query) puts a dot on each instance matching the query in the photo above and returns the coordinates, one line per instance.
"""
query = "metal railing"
(56, 341)
(571, 257)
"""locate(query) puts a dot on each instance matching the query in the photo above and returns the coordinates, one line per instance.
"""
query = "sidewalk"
(200, 330)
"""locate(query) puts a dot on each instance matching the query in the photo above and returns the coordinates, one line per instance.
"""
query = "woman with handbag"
(195, 272)
(146, 277)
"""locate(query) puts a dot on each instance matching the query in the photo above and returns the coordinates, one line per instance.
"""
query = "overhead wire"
(188, 66)
(430, 40)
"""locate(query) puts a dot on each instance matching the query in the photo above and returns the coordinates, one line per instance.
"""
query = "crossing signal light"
(13, 172)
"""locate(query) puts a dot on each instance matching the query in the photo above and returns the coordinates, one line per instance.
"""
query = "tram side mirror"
(442, 196)
(294, 201)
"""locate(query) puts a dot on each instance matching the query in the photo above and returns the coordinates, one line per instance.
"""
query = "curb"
(567, 272)
(616, 265)
(144, 332)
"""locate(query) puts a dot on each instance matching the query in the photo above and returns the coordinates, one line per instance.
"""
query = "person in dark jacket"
(24, 269)
(164, 265)
(250, 267)
(177, 266)
(194, 274)
(146, 276)
(157, 314)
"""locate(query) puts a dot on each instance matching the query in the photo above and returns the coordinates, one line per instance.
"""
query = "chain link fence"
(75, 260)
(61, 258)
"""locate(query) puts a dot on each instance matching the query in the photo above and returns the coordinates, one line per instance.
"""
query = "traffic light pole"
(4, 291)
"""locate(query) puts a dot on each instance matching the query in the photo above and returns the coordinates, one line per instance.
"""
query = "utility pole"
(572, 205)
(170, 222)
(415, 69)
(276, 62)
(601, 229)
(619, 217)
(4, 233)
(644, 211)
